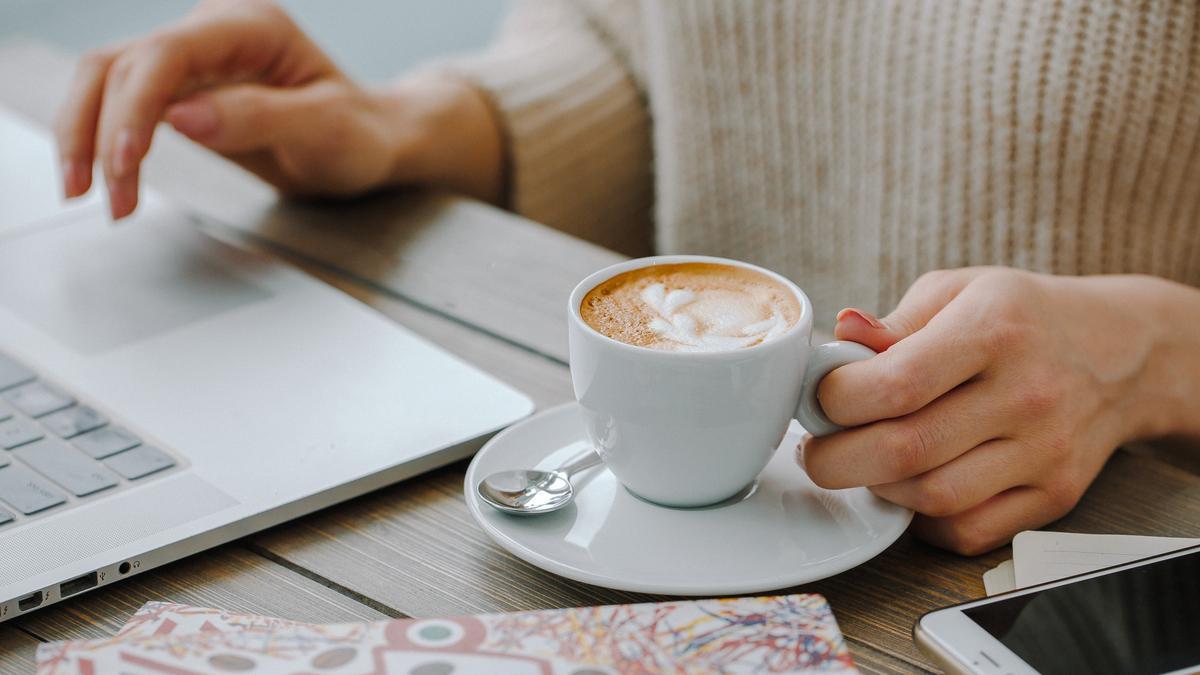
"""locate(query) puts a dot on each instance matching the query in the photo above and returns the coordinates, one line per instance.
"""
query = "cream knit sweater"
(853, 145)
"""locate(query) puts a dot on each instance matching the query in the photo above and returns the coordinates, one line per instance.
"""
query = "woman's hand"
(1000, 394)
(239, 77)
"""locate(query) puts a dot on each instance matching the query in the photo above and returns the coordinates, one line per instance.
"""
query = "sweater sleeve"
(576, 124)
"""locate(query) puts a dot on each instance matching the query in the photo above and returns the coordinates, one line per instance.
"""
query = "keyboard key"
(73, 421)
(37, 398)
(26, 491)
(18, 431)
(66, 466)
(6, 517)
(6, 411)
(106, 441)
(13, 373)
(140, 461)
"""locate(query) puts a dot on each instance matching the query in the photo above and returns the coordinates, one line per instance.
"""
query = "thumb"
(241, 118)
(924, 299)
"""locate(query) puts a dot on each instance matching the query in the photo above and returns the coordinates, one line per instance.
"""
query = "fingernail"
(73, 180)
(799, 452)
(195, 118)
(122, 195)
(866, 317)
(126, 152)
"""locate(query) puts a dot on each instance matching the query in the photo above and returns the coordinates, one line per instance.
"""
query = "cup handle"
(823, 360)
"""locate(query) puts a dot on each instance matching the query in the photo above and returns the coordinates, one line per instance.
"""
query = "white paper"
(999, 579)
(1039, 557)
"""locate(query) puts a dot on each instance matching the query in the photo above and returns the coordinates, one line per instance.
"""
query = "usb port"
(30, 601)
(77, 585)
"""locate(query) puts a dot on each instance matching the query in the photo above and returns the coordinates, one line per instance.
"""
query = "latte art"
(715, 321)
(691, 307)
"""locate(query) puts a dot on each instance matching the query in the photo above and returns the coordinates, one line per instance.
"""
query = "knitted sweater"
(853, 145)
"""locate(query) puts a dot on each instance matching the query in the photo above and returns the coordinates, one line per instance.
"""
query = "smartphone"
(1139, 617)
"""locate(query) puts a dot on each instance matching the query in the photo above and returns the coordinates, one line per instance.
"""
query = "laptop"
(163, 391)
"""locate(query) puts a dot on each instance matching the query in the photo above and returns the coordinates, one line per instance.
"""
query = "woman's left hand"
(996, 399)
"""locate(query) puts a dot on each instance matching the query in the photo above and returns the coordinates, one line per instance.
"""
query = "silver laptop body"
(163, 391)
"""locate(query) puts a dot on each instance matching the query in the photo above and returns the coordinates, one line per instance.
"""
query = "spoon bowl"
(529, 492)
(526, 492)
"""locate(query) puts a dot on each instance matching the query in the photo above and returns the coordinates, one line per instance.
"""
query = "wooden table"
(491, 288)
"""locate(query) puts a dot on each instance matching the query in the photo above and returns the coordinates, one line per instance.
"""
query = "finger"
(926, 297)
(75, 124)
(897, 449)
(994, 522)
(135, 92)
(144, 79)
(245, 117)
(910, 374)
(120, 145)
(863, 327)
(798, 452)
(964, 482)
(840, 392)
(140, 83)
(122, 194)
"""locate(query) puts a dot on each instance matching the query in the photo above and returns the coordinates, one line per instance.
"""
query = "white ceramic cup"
(691, 429)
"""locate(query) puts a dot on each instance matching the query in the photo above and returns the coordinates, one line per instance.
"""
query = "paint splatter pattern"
(781, 634)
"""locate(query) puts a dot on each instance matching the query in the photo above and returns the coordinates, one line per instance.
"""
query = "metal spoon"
(526, 492)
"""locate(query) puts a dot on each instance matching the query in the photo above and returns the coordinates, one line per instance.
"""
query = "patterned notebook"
(783, 634)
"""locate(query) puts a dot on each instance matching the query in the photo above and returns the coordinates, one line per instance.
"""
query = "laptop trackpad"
(96, 286)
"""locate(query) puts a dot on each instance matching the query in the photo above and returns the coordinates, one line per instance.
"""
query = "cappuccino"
(691, 307)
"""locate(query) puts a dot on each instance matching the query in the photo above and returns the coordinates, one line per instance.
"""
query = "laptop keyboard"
(55, 449)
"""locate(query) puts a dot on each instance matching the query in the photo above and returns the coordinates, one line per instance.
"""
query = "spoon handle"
(584, 460)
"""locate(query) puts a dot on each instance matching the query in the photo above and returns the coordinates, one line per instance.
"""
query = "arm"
(575, 123)
(1168, 381)
(241, 78)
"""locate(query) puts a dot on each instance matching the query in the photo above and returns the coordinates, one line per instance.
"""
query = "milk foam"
(691, 307)
(711, 321)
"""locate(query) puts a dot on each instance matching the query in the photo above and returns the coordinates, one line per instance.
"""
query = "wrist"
(1164, 336)
(444, 133)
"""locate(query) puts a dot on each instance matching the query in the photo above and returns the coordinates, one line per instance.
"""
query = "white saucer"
(787, 532)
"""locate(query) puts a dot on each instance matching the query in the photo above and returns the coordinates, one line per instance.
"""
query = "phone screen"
(1144, 619)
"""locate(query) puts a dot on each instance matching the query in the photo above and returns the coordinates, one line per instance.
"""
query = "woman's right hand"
(241, 78)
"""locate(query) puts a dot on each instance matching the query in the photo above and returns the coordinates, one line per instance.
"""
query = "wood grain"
(870, 660)
(503, 274)
(879, 601)
(415, 548)
(16, 651)
(1182, 453)
(229, 577)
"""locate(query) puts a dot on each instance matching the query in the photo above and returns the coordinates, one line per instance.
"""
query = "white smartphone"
(1140, 617)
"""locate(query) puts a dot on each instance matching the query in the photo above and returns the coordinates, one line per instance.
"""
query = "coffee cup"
(687, 401)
